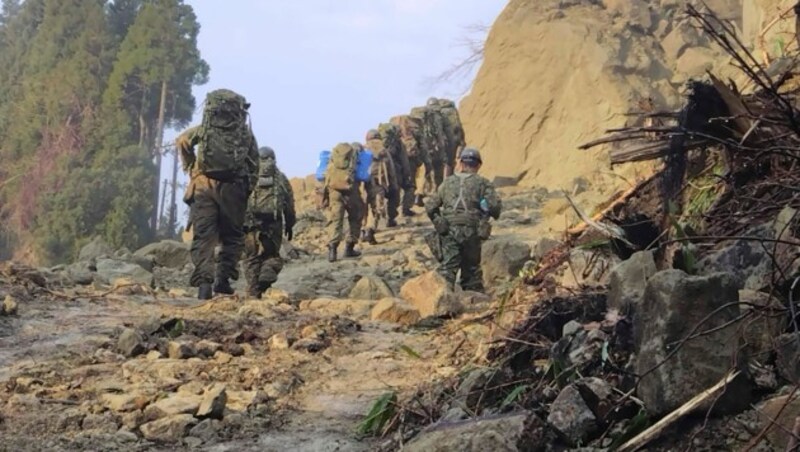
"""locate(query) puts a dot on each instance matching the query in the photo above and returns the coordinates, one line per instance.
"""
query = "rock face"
(371, 288)
(628, 280)
(513, 432)
(431, 295)
(674, 305)
(167, 253)
(502, 259)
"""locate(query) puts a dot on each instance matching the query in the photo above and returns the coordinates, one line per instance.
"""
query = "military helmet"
(373, 134)
(471, 155)
(266, 152)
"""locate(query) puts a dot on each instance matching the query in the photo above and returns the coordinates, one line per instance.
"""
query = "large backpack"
(224, 136)
(270, 197)
(433, 132)
(409, 129)
(341, 174)
(452, 124)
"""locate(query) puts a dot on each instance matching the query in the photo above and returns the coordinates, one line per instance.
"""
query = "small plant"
(379, 415)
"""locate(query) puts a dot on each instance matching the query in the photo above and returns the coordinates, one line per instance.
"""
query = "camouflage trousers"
(217, 211)
(341, 204)
(420, 168)
(263, 263)
(383, 203)
(461, 250)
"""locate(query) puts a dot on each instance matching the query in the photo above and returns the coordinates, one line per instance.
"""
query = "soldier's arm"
(252, 161)
(289, 214)
(493, 200)
(433, 205)
(185, 144)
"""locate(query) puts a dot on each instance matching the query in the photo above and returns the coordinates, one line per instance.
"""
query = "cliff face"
(557, 73)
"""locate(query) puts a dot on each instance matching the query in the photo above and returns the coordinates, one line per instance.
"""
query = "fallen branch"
(653, 432)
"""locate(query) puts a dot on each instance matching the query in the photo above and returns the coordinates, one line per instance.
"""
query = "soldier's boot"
(369, 237)
(350, 250)
(408, 213)
(253, 294)
(332, 252)
(363, 235)
(204, 292)
(418, 201)
(391, 223)
(223, 286)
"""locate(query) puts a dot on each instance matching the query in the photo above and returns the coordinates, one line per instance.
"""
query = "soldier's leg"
(233, 203)
(471, 272)
(271, 239)
(451, 260)
(253, 262)
(205, 217)
(438, 174)
(336, 211)
(410, 189)
(392, 205)
(372, 213)
(355, 211)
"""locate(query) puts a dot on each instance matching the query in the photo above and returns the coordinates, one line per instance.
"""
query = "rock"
(504, 181)
(431, 295)
(788, 364)
(167, 253)
(572, 327)
(181, 350)
(580, 349)
(81, 273)
(674, 304)
(768, 321)
(213, 404)
(371, 288)
(310, 345)
(502, 259)
(572, 417)
(679, 39)
(10, 306)
(206, 430)
(473, 388)
(110, 270)
(695, 61)
(474, 301)
(131, 343)
(101, 422)
(257, 308)
(240, 401)
(207, 349)
(122, 403)
(511, 432)
(95, 249)
(223, 358)
(337, 307)
(628, 280)
(778, 416)
(312, 332)
(280, 341)
(169, 429)
(180, 403)
(586, 268)
(394, 310)
(544, 246)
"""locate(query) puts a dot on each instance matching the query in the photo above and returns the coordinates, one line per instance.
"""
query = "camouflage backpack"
(390, 136)
(271, 196)
(341, 174)
(224, 136)
(432, 132)
(409, 129)
(452, 124)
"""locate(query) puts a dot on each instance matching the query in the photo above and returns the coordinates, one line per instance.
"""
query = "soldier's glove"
(289, 232)
(441, 225)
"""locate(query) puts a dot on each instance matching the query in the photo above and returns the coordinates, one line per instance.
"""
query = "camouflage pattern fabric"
(383, 190)
(341, 204)
(457, 202)
(263, 261)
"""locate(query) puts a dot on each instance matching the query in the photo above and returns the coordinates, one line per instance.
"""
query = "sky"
(319, 72)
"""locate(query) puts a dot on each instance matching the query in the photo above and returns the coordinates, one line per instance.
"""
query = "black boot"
(369, 237)
(350, 250)
(408, 213)
(419, 202)
(223, 286)
(391, 223)
(332, 252)
(204, 292)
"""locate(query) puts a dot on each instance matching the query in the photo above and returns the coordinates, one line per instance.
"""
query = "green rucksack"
(224, 136)
(270, 196)
(341, 174)
(453, 128)
(409, 129)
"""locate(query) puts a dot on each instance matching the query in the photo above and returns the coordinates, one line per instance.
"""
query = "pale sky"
(318, 72)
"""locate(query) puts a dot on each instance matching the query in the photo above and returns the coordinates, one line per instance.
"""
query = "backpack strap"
(460, 202)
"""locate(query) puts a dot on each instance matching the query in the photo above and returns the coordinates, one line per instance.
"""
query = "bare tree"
(473, 40)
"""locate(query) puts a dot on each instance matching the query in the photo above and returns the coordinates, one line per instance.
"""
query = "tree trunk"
(163, 199)
(157, 144)
(173, 206)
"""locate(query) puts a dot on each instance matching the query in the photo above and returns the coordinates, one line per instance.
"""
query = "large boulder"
(394, 310)
(628, 280)
(431, 295)
(512, 432)
(503, 259)
(766, 321)
(95, 249)
(109, 270)
(169, 429)
(578, 410)
(167, 253)
(371, 288)
(676, 367)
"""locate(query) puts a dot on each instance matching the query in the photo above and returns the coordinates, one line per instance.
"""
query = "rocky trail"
(96, 359)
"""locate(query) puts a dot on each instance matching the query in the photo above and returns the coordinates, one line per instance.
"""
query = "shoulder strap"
(460, 202)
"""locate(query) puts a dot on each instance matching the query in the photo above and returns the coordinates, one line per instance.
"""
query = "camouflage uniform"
(347, 202)
(217, 213)
(264, 236)
(456, 212)
(453, 130)
(405, 178)
(434, 142)
(418, 161)
(382, 190)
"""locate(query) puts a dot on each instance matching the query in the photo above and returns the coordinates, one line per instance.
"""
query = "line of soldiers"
(412, 154)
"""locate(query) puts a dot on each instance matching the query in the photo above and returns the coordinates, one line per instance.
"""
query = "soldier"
(343, 197)
(410, 129)
(453, 130)
(456, 211)
(270, 215)
(434, 141)
(390, 134)
(222, 172)
(382, 189)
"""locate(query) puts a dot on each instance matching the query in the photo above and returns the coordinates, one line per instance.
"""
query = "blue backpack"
(363, 164)
(322, 165)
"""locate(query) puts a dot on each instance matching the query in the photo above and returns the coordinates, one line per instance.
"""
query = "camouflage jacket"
(459, 198)
(382, 171)
(288, 209)
(185, 145)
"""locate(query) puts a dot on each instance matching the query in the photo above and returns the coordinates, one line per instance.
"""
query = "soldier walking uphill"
(453, 130)
(270, 215)
(383, 191)
(222, 171)
(343, 197)
(456, 211)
